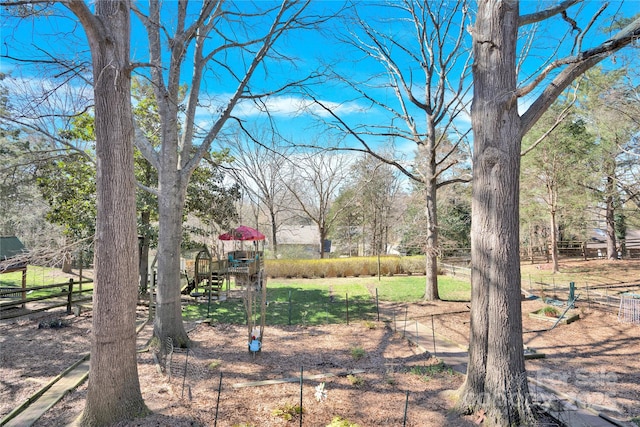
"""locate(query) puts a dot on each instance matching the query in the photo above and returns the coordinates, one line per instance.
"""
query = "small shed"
(10, 249)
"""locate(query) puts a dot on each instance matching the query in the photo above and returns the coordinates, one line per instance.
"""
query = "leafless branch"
(577, 66)
(546, 13)
(559, 119)
(48, 134)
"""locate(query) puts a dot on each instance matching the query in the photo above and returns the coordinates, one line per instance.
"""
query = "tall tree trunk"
(621, 233)
(171, 199)
(274, 234)
(113, 389)
(496, 378)
(431, 289)
(554, 240)
(145, 223)
(612, 250)
(323, 236)
(553, 197)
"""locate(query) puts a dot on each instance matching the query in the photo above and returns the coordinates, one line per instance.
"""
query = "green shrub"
(341, 422)
(370, 325)
(214, 365)
(357, 353)
(287, 412)
(550, 311)
(429, 371)
(355, 380)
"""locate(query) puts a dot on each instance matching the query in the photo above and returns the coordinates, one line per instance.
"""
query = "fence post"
(152, 290)
(347, 301)
(23, 295)
(406, 407)
(70, 296)
(289, 307)
(572, 291)
(433, 335)
(301, 379)
(406, 313)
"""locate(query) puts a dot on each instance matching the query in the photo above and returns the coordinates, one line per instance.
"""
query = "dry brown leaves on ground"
(388, 369)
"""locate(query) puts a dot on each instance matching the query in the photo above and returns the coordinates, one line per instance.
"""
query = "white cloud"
(296, 106)
(289, 106)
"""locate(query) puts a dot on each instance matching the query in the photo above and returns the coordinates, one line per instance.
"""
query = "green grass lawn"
(39, 276)
(411, 289)
(290, 301)
(318, 301)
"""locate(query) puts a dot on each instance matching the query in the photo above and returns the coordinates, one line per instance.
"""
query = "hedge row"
(345, 267)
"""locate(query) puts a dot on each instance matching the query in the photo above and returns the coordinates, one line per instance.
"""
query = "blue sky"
(45, 38)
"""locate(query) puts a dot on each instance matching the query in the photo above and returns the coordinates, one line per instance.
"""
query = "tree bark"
(554, 241)
(323, 236)
(431, 256)
(145, 222)
(274, 232)
(171, 199)
(496, 379)
(113, 389)
(612, 250)
(553, 207)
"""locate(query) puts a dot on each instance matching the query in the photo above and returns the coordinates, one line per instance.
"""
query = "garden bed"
(554, 315)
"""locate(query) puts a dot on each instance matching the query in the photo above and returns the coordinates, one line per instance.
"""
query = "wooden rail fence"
(71, 293)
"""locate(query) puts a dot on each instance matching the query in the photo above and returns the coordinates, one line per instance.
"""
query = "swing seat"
(255, 345)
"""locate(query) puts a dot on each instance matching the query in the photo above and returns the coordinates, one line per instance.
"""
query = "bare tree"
(373, 192)
(314, 181)
(220, 41)
(259, 163)
(496, 378)
(421, 89)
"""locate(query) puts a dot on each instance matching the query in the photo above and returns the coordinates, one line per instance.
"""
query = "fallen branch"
(296, 379)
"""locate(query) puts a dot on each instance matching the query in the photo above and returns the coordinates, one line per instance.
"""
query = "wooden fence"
(21, 304)
(627, 249)
(455, 270)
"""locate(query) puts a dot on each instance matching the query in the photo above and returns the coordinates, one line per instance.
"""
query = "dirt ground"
(594, 359)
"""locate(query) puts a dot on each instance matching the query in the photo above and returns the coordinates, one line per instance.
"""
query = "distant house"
(299, 241)
(597, 244)
(10, 249)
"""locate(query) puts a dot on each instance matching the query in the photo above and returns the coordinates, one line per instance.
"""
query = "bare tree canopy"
(414, 63)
